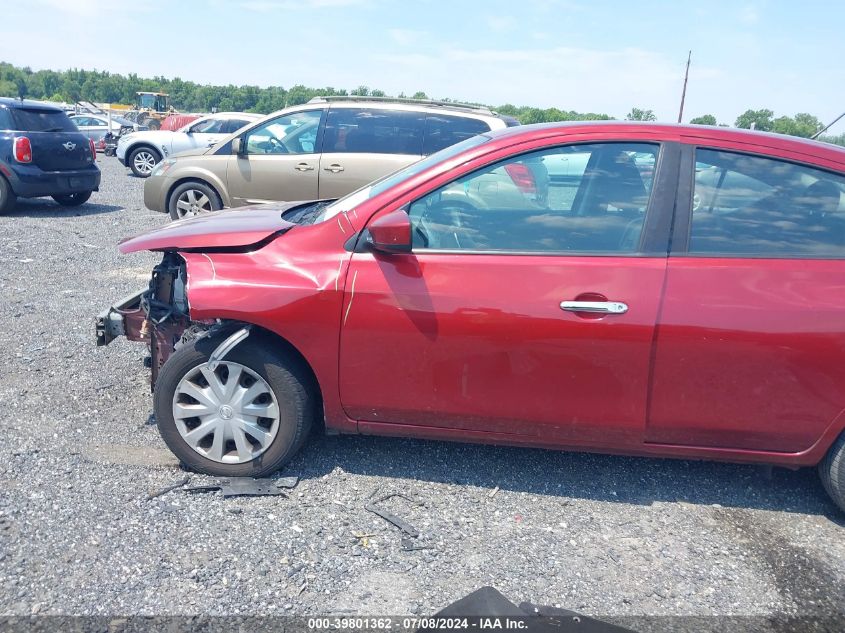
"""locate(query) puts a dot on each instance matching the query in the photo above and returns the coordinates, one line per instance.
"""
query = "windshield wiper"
(305, 214)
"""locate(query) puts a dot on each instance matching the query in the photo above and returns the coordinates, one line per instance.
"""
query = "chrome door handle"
(597, 307)
(333, 168)
(304, 167)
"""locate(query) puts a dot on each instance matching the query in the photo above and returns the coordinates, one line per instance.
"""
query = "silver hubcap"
(192, 202)
(229, 415)
(144, 162)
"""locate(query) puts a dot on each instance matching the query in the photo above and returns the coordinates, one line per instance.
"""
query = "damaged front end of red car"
(160, 315)
(157, 316)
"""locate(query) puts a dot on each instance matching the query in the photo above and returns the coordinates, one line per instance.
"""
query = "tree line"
(104, 87)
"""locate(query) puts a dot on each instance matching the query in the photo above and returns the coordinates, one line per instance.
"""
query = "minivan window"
(294, 133)
(348, 202)
(443, 130)
(38, 120)
(764, 207)
(352, 130)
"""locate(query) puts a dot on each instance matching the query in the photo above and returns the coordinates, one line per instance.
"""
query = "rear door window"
(37, 120)
(445, 130)
(351, 130)
(5, 119)
(763, 207)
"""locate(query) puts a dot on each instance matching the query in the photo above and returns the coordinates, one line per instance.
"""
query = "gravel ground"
(609, 536)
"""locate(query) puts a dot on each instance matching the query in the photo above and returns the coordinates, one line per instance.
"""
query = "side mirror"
(391, 233)
(237, 145)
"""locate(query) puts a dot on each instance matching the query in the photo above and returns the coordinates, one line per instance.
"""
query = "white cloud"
(264, 6)
(91, 8)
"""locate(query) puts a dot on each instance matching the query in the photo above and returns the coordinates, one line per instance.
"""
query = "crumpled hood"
(234, 228)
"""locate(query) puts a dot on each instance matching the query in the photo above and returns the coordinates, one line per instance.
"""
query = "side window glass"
(570, 199)
(749, 205)
(233, 125)
(443, 130)
(5, 120)
(290, 134)
(350, 130)
(209, 126)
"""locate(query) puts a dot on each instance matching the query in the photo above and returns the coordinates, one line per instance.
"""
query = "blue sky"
(584, 55)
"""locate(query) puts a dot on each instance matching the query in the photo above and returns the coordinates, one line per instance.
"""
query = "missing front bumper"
(125, 318)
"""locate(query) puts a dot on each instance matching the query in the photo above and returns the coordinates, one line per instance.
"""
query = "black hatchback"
(42, 153)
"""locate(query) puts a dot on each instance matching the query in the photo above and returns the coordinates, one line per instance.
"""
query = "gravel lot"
(608, 536)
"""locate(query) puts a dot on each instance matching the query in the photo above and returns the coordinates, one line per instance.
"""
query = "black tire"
(73, 199)
(7, 196)
(832, 471)
(153, 124)
(206, 197)
(287, 377)
(140, 159)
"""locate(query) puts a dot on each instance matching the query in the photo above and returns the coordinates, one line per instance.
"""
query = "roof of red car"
(729, 134)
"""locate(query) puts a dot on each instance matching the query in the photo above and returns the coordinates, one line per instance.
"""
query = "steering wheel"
(277, 146)
(440, 225)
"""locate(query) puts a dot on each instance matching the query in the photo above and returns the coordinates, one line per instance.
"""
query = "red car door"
(528, 304)
(751, 334)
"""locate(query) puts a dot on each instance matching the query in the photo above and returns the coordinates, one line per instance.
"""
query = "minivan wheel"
(73, 199)
(247, 418)
(7, 196)
(143, 160)
(832, 471)
(193, 198)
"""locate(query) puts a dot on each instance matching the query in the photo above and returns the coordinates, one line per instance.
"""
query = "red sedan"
(648, 289)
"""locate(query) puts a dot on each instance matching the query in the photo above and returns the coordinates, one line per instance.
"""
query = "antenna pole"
(684, 93)
(827, 127)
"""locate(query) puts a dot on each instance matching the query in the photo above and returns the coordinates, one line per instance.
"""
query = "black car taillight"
(23, 149)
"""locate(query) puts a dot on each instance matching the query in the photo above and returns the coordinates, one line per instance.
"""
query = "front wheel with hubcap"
(193, 198)
(143, 160)
(245, 418)
(73, 199)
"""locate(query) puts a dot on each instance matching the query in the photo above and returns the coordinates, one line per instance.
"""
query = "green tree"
(807, 125)
(636, 114)
(532, 115)
(756, 119)
(419, 95)
(8, 88)
(707, 119)
(71, 89)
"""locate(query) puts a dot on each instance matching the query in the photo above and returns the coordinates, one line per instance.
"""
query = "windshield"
(347, 203)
